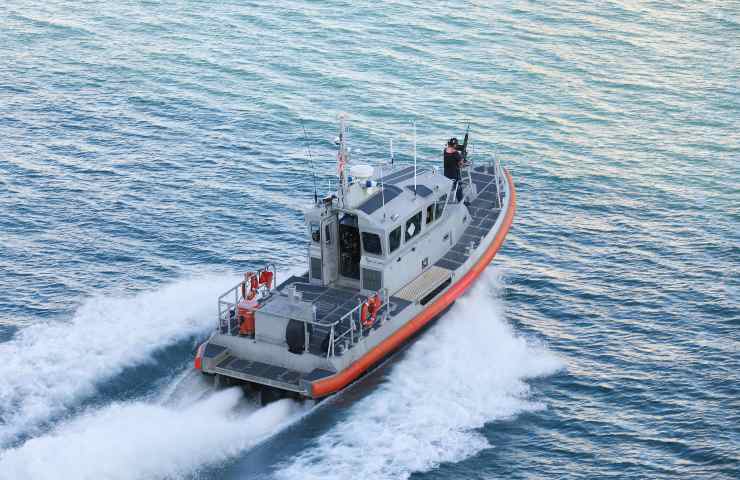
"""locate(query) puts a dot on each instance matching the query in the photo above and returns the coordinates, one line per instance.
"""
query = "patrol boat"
(387, 254)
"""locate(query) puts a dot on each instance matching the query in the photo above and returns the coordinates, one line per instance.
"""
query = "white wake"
(466, 371)
(48, 367)
(142, 440)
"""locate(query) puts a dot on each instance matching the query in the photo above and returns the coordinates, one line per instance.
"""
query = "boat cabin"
(387, 231)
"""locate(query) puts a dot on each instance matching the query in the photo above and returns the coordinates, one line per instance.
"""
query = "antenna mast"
(382, 188)
(310, 159)
(342, 157)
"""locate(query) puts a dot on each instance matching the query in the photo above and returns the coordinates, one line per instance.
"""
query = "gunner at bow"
(453, 162)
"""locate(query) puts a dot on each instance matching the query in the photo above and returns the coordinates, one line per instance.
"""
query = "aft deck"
(254, 371)
(332, 303)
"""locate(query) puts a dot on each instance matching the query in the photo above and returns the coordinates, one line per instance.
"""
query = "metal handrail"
(498, 178)
(224, 315)
(355, 324)
(452, 192)
(225, 307)
(499, 181)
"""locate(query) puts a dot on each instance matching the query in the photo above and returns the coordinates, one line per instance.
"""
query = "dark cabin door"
(349, 247)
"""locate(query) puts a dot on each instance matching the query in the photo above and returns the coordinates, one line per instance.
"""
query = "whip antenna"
(382, 190)
(310, 159)
(414, 157)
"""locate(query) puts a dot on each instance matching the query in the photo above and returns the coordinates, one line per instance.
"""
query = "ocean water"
(150, 152)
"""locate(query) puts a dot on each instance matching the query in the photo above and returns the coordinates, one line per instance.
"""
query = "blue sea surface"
(152, 151)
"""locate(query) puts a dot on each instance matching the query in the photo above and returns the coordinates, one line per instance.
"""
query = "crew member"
(453, 162)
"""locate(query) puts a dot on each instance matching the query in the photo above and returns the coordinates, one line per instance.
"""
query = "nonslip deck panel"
(332, 304)
(212, 350)
(421, 190)
(398, 176)
(266, 374)
(448, 264)
(260, 370)
(317, 374)
(483, 215)
(388, 193)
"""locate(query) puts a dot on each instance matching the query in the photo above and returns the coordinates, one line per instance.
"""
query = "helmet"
(452, 142)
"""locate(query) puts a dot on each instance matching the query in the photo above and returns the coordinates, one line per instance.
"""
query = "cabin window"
(430, 214)
(394, 239)
(441, 205)
(413, 226)
(315, 232)
(371, 243)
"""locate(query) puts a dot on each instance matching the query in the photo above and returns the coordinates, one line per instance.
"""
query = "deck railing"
(228, 321)
(352, 327)
(346, 331)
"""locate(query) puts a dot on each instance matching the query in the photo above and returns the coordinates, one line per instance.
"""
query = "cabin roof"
(397, 194)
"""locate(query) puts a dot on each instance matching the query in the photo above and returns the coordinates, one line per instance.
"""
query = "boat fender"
(295, 336)
(253, 281)
(199, 357)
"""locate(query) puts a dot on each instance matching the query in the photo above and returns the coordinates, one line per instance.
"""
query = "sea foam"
(143, 440)
(49, 367)
(466, 371)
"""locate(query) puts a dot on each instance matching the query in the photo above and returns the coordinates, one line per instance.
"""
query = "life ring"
(364, 318)
(369, 311)
(252, 282)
